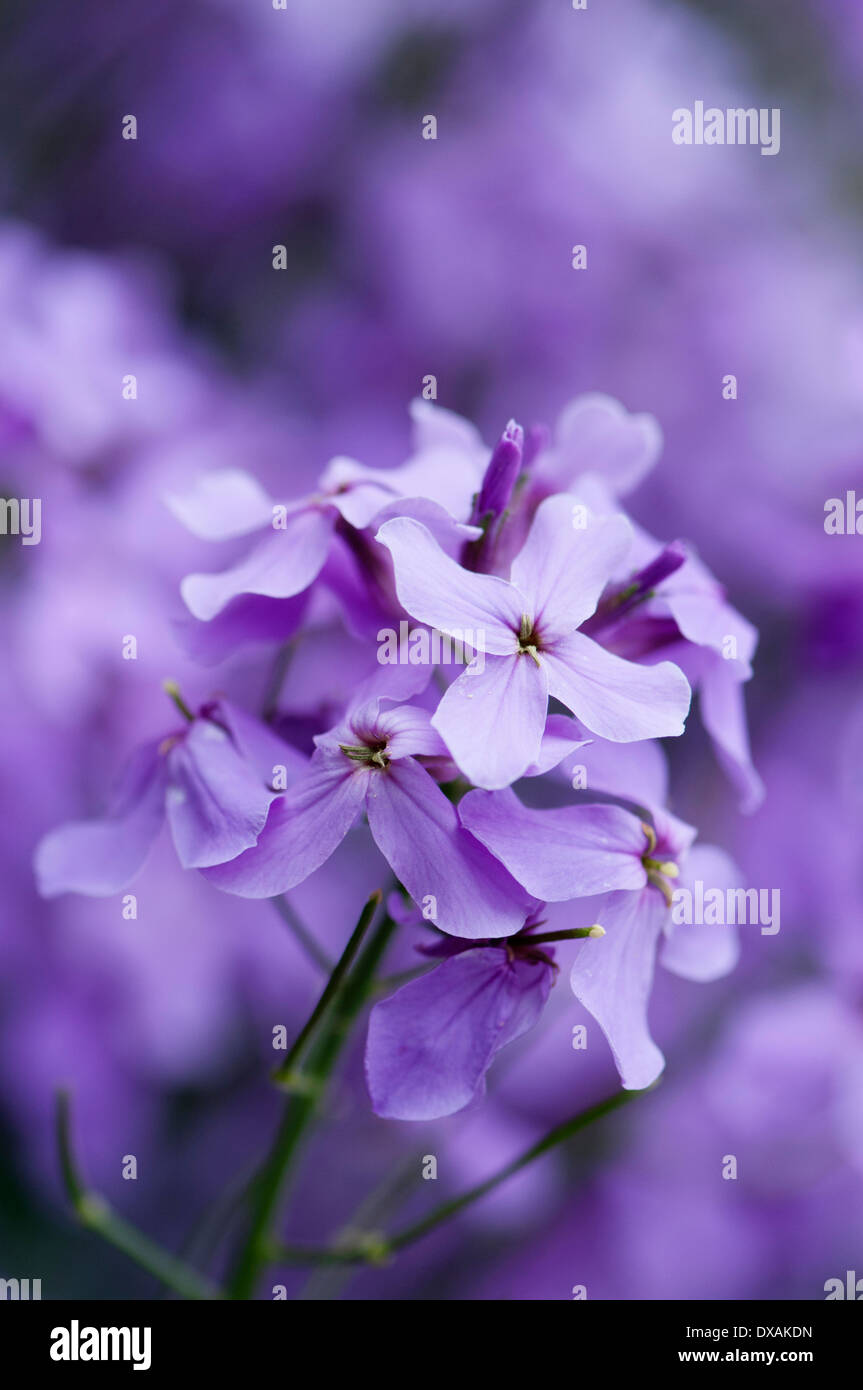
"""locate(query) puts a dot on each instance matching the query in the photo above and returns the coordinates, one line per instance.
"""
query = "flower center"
(371, 754)
(658, 871)
(529, 643)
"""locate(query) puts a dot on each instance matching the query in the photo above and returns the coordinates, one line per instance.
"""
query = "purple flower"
(438, 483)
(596, 434)
(501, 474)
(492, 718)
(625, 868)
(431, 1043)
(210, 780)
(369, 763)
(683, 613)
(665, 603)
(491, 507)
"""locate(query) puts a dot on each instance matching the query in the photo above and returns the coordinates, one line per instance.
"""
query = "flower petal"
(635, 772)
(302, 830)
(437, 591)
(100, 857)
(619, 700)
(439, 476)
(562, 736)
(435, 427)
(462, 889)
(723, 713)
(449, 533)
(222, 504)
(557, 854)
(492, 719)
(247, 620)
(284, 564)
(562, 569)
(596, 434)
(429, 1045)
(216, 802)
(613, 976)
(696, 951)
(256, 742)
(409, 733)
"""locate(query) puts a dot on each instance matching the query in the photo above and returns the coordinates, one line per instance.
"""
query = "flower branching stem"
(333, 1018)
(375, 1247)
(304, 1075)
(316, 954)
(95, 1214)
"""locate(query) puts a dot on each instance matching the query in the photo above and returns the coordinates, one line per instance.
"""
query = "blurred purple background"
(407, 257)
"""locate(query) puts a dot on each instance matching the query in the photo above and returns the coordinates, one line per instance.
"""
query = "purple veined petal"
(696, 951)
(248, 620)
(222, 504)
(562, 569)
(462, 889)
(616, 699)
(449, 533)
(492, 719)
(612, 976)
(562, 736)
(562, 853)
(409, 733)
(259, 746)
(534, 980)
(216, 802)
(101, 857)
(697, 602)
(441, 474)
(439, 478)
(636, 772)
(596, 434)
(404, 728)
(708, 621)
(433, 588)
(435, 427)
(357, 492)
(430, 1044)
(723, 713)
(674, 837)
(303, 829)
(395, 683)
(282, 565)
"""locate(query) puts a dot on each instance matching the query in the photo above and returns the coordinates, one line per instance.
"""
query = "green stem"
(326, 1282)
(569, 934)
(95, 1214)
(555, 1136)
(375, 1247)
(172, 690)
(283, 1074)
(309, 1088)
(292, 918)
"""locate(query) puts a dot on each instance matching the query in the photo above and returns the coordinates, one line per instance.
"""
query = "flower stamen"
(528, 639)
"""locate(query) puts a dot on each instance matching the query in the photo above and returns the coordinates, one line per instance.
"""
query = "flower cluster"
(532, 776)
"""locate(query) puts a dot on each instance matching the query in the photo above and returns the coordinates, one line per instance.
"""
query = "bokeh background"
(406, 257)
